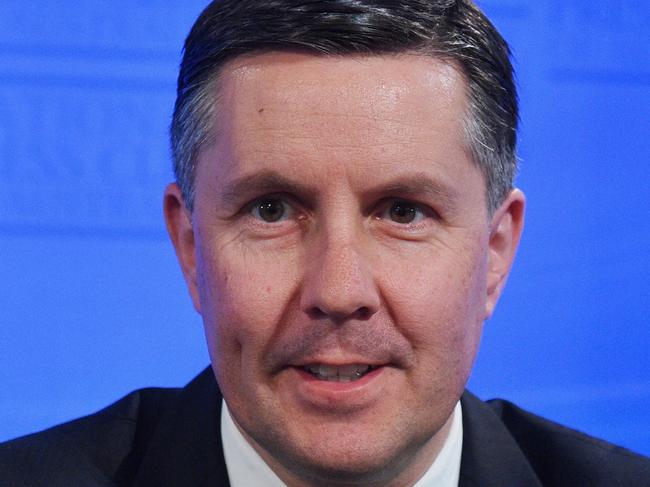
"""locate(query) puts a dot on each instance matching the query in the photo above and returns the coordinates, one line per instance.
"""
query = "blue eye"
(271, 210)
(404, 212)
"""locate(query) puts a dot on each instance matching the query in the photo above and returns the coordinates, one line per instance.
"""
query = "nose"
(339, 284)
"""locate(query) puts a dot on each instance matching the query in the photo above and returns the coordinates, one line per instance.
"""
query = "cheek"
(244, 295)
(438, 302)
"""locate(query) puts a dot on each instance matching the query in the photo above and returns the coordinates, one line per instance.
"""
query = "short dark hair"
(454, 30)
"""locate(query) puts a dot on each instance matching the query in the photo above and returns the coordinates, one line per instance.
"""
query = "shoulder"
(563, 456)
(89, 450)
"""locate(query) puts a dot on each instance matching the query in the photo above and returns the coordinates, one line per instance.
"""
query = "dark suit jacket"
(171, 437)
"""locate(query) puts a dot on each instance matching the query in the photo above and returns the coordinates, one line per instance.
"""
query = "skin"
(340, 278)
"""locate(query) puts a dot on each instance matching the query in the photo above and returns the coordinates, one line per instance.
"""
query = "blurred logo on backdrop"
(85, 100)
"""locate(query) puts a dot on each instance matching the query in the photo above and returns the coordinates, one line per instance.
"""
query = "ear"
(179, 226)
(505, 230)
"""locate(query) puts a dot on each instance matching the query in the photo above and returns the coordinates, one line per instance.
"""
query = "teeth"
(344, 373)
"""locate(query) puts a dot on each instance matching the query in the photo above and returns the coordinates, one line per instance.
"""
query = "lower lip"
(338, 396)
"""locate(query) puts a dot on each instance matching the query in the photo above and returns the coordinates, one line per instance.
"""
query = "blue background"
(91, 298)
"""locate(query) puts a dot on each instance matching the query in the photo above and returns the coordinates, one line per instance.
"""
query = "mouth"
(341, 386)
(339, 373)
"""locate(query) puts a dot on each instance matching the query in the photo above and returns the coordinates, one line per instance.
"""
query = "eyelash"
(290, 209)
(382, 213)
(256, 206)
(387, 205)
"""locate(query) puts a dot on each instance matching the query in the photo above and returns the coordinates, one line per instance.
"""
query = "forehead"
(383, 88)
(387, 115)
(389, 75)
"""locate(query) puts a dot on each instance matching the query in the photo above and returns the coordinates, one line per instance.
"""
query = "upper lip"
(339, 362)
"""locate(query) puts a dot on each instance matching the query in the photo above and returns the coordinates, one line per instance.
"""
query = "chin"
(357, 467)
(360, 458)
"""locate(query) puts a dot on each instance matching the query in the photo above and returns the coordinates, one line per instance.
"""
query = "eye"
(403, 212)
(271, 210)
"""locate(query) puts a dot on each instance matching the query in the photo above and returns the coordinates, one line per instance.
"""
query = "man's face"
(341, 258)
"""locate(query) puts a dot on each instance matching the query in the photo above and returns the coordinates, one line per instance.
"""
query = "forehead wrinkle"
(395, 133)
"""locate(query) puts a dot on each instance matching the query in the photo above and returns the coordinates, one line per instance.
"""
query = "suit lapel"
(186, 446)
(491, 456)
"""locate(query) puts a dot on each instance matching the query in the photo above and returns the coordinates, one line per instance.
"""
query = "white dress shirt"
(247, 469)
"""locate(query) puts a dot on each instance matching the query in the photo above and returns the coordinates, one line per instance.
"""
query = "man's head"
(335, 231)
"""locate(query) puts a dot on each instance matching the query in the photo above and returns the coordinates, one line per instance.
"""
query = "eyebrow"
(418, 185)
(266, 181)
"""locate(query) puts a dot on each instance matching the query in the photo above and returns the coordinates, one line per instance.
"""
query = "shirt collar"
(445, 469)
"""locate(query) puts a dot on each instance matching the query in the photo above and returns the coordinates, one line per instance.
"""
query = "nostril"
(317, 313)
(363, 313)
